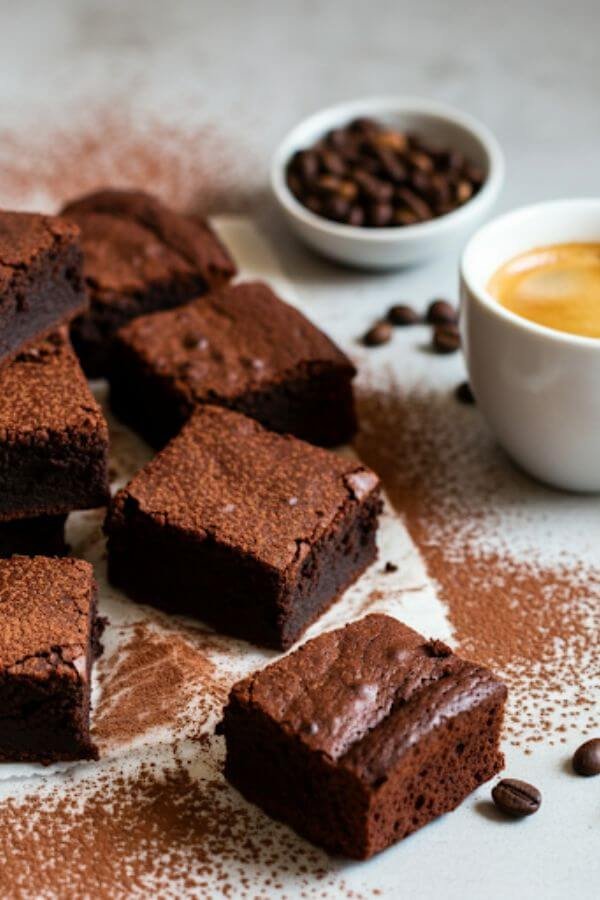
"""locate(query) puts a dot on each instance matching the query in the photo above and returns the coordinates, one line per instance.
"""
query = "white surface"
(441, 126)
(538, 388)
(530, 71)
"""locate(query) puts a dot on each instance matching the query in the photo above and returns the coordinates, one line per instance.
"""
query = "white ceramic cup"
(539, 389)
(389, 248)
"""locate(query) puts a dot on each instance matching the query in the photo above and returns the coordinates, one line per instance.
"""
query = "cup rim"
(326, 118)
(567, 204)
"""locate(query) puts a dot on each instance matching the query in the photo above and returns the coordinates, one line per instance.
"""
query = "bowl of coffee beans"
(387, 182)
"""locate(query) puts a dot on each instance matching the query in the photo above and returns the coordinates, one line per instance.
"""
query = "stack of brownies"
(242, 519)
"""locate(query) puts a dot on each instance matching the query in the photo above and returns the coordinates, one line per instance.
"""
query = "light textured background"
(531, 71)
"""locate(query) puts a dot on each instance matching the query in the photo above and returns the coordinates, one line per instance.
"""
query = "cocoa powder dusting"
(198, 167)
(465, 507)
(161, 835)
(157, 677)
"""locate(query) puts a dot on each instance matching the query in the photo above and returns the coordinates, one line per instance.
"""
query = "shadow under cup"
(538, 389)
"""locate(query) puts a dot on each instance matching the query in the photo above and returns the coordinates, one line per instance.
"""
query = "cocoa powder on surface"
(482, 529)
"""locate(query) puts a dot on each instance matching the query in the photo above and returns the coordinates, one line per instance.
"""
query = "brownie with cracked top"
(363, 735)
(254, 532)
(53, 435)
(140, 256)
(241, 347)
(41, 278)
(49, 637)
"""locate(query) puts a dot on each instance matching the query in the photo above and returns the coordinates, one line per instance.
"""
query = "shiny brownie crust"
(363, 735)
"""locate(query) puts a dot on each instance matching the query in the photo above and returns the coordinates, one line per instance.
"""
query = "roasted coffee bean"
(380, 214)
(416, 205)
(446, 339)
(332, 162)
(330, 184)
(440, 312)
(401, 314)
(314, 204)
(421, 161)
(306, 163)
(392, 140)
(473, 174)
(421, 183)
(337, 207)
(373, 188)
(379, 334)
(516, 798)
(586, 760)
(295, 185)
(391, 165)
(356, 216)
(464, 191)
(363, 124)
(405, 217)
(464, 394)
(348, 190)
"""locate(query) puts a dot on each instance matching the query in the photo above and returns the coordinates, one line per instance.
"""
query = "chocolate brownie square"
(53, 435)
(49, 636)
(41, 280)
(363, 735)
(240, 347)
(140, 256)
(255, 532)
(40, 536)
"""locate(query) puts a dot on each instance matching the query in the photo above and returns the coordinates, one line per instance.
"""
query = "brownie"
(240, 347)
(254, 532)
(140, 256)
(41, 280)
(53, 435)
(49, 636)
(40, 536)
(363, 735)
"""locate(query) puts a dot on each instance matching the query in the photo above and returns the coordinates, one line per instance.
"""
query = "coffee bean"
(337, 207)
(416, 205)
(516, 798)
(306, 163)
(464, 191)
(363, 125)
(440, 312)
(392, 140)
(446, 339)
(405, 217)
(586, 760)
(401, 314)
(373, 188)
(329, 184)
(356, 216)
(380, 214)
(332, 162)
(379, 334)
(464, 394)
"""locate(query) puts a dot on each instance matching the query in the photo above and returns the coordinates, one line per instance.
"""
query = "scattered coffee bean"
(446, 339)
(586, 760)
(392, 177)
(390, 567)
(379, 334)
(464, 394)
(440, 312)
(401, 314)
(516, 798)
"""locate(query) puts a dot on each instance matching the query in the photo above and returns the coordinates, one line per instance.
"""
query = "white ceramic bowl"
(388, 248)
(539, 389)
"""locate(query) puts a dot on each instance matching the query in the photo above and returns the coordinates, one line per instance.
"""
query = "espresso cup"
(538, 389)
